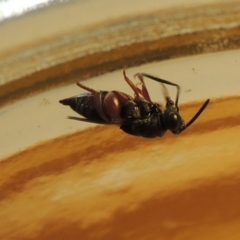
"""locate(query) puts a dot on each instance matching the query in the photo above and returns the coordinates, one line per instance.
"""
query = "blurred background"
(67, 179)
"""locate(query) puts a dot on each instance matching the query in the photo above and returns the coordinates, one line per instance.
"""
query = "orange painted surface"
(104, 184)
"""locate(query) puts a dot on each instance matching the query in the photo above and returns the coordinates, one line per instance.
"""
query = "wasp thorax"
(130, 110)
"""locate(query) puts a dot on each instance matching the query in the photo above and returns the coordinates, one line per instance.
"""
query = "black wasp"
(136, 115)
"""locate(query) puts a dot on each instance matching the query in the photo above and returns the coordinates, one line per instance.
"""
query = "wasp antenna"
(197, 114)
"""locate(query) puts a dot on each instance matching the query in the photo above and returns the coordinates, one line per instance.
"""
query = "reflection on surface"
(14, 8)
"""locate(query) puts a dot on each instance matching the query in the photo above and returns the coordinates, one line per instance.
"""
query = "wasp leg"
(130, 83)
(86, 88)
(144, 90)
(165, 82)
(98, 100)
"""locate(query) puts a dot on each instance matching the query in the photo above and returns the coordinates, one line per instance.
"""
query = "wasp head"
(172, 119)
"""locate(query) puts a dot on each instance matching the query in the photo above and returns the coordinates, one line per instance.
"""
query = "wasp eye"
(173, 121)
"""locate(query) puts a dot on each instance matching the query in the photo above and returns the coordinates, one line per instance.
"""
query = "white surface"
(13, 8)
(41, 117)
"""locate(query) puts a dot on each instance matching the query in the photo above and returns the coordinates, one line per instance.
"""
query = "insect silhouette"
(136, 115)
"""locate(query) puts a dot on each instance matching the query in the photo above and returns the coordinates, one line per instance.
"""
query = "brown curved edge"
(211, 28)
(59, 189)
